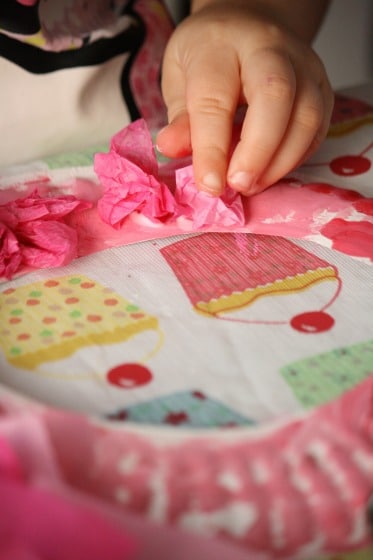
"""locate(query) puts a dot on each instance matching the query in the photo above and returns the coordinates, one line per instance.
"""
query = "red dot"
(49, 320)
(129, 376)
(176, 418)
(312, 322)
(68, 334)
(111, 301)
(51, 283)
(121, 415)
(199, 395)
(231, 424)
(348, 166)
(9, 291)
(70, 300)
(94, 318)
(23, 336)
(138, 315)
(33, 302)
(87, 285)
(14, 320)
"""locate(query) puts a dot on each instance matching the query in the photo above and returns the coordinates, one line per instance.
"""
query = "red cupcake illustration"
(224, 273)
(348, 116)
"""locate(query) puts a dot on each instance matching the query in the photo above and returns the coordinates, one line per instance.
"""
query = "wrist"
(301, 17)
(197, 5)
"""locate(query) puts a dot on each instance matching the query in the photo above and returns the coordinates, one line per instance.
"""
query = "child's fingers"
(212, 98)
(269, 85)
(328, 104)
(174, 139)
(307, 129)
(201, 103)
(283, 84)
(304, 125)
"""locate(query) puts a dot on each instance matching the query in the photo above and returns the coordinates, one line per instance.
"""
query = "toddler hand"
(228, 55)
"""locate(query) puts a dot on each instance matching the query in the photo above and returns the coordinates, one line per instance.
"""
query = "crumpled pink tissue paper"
(203, 209)
(133, 181)
(33, 232)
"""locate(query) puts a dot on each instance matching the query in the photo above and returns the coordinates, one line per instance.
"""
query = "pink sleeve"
(27, 2)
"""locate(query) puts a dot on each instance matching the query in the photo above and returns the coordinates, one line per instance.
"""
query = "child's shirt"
(73, 72)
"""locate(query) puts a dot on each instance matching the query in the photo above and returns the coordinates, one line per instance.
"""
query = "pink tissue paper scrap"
(33, 232)
(133, 181)
(139, 199)
(295, 489)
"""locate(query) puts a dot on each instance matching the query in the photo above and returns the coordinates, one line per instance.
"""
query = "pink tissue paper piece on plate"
(133, 181)
(140, 200)
(33, 232)
(288, 208)
(203, 209)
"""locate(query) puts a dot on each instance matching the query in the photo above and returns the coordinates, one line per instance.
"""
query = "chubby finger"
(212, 93)
(174, 140)
(307, 129)
(321, 134)
(269, 86)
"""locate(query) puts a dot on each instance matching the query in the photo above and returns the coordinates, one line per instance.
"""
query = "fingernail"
(212, 183)
(165, 127)
(160, 133)
(242, 181)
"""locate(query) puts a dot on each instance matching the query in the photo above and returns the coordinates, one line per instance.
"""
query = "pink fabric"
(27, 2)
(146, 72)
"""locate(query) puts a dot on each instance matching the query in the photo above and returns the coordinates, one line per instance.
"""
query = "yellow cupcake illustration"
(50, 320)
